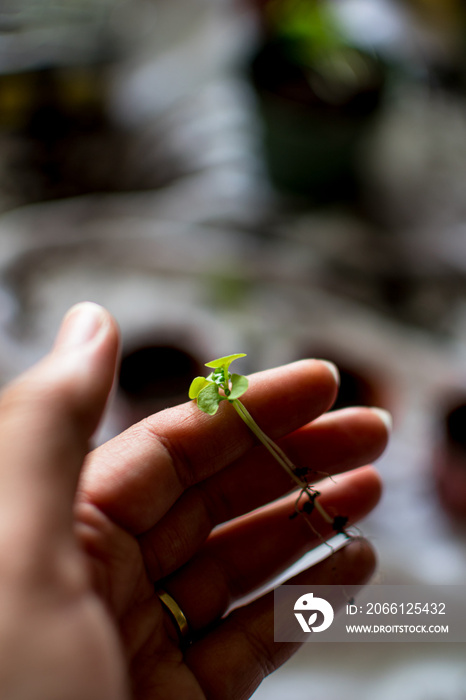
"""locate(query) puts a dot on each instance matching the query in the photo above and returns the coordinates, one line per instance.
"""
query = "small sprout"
(221, 385)
(206, 390)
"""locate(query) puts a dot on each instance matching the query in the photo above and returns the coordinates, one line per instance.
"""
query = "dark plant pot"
(154, 375)
(312, 146)
(450, 460)
(360, 384)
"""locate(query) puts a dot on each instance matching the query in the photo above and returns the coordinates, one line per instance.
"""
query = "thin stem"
(272, 447)
(277, 453)
(226, 383)
(274, 450)
(320, 508)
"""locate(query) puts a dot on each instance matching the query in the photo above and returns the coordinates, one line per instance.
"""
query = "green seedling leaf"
(224, 362)
(196, 386)
(209, 398)
(219, 386)
(239, 384)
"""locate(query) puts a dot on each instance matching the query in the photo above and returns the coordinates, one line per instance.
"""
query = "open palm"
(181, 501)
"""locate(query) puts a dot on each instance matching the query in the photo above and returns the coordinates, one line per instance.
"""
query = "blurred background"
(284, 178)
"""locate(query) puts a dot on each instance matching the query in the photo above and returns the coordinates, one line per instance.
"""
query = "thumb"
(48, 415)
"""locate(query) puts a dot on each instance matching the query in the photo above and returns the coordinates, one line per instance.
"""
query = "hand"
(84, 547)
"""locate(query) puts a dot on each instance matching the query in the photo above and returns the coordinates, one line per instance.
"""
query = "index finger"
(136, 477)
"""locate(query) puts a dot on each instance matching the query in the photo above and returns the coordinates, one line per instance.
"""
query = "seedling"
(220, 386)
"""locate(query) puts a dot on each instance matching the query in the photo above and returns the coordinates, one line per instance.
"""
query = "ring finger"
(245, 554)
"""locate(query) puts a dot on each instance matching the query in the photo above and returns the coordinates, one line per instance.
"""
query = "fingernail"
(334, 370)
(80, 325)
(385, 417)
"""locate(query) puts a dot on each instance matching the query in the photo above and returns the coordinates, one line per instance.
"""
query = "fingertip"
(355, 493)
(384, 416)
(80, 370)
(372, 479)
(383, 427)
(369, 425)
(314, 363)
(354, 563)
(366, 480)
(83, 323)
(323, 379)
(333, 369)
(358, 559)
(330, 376)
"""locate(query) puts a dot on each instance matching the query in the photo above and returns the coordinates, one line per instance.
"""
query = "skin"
(85, 537)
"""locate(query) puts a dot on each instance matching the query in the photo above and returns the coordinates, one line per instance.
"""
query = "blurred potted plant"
(318, 94)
